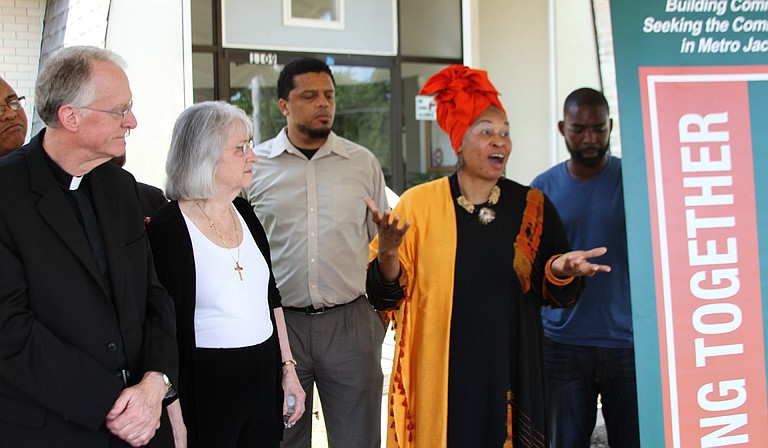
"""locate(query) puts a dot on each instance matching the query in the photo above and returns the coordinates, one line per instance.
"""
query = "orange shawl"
(418, 391)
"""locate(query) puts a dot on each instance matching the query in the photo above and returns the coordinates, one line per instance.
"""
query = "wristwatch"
(168, 384)
(170, 394)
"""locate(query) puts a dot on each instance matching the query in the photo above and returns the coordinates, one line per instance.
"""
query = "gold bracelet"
(552, 277)
(291, 362)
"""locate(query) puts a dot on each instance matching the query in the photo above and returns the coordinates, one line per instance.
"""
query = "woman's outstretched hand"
(390, 238)
(390, 231)
(576, 263)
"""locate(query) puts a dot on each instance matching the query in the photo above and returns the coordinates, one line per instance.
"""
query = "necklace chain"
(485, 214)
(237, 267)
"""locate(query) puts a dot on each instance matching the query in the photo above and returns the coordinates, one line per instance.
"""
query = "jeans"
(576, 375)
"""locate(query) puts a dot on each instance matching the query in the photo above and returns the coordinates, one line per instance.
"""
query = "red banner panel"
(704, 230)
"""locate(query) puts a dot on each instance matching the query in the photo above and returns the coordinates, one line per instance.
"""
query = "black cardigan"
(175, 265)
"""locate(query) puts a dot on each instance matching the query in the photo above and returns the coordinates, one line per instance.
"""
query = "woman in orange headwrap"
(464, 265)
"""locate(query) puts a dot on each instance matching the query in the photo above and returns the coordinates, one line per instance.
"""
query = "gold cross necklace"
(237, 267)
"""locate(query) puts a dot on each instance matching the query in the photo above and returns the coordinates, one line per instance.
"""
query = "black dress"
(496, 332)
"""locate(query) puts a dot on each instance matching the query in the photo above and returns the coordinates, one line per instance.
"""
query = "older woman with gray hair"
(212, 254)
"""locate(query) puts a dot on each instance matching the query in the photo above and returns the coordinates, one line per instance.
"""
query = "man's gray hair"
(199, 137)
(66, 79)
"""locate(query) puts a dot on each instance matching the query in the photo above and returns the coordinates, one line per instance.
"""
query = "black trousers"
(239, 397)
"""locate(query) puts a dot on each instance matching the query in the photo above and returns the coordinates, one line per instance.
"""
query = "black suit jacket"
(62, 337)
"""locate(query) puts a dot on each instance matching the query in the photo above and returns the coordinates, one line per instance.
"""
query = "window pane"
(253, 88)
(430, 28)
(362, 105)
(363, 110)
(202, 77)
(325, 10)
(427, 151)
(202, 22)
(602, 11)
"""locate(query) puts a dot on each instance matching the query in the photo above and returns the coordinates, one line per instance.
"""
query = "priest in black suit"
(87, 333)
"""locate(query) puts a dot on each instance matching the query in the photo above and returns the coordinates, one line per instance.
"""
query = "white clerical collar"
(75, 184)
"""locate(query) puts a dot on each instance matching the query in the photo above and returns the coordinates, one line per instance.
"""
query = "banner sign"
(693, 94)
(701, 184)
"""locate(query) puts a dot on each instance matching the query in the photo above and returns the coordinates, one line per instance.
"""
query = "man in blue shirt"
(589, 349)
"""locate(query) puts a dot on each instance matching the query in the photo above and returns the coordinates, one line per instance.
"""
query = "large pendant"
(486, 215)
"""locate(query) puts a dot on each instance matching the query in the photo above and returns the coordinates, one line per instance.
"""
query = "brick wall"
(21, 25)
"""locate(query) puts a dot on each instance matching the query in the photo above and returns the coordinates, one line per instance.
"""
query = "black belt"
(312, 311)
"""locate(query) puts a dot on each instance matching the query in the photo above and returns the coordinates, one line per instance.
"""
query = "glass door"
(363, 104)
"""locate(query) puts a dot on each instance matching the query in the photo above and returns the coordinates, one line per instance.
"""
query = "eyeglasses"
(122, 112)
(245, 147)
(14, 104)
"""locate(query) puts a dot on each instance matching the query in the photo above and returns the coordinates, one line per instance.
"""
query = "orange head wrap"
(462, 95)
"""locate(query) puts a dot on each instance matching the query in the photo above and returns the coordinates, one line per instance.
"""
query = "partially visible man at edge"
(87, 333)
(13, 119)
(150, 197)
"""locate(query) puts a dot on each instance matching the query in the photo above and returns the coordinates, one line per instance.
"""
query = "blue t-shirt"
(593, 215)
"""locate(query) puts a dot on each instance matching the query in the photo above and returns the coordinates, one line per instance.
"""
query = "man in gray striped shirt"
(308, 188)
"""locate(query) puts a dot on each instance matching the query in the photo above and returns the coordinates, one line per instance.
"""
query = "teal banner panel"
(692, 78)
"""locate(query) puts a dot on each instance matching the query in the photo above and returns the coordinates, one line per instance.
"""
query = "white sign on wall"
(426, 108)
